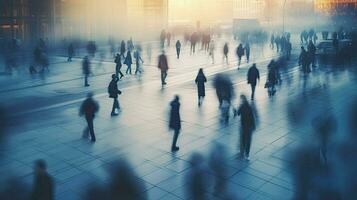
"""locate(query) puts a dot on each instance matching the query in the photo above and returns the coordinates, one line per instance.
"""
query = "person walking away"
(118, 66)
(225, 52)
(200, 82)
(240, 53)
(128, 61)
(272, 78)
(253, 76)
(122, 49)
(175, 122)
(113, 93)
(86, 70)
(211, 50)
(163, 66)
(70, 52)
(138, 59)
(43, 186)
(178, 49)
(247, 51)
(304, 60)
(89, 108)
(245, 112)
(311, 49)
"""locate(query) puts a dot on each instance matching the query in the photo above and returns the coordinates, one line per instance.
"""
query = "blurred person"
(212, 47)
(43, 186)
(253, 77)
(138, 61)
(240, 53)
(225, 52)
(277, 43)
(168, 37)
(118, 66)
(113, 93)
(200, 82)
(311, 49)
(162, 39)
(304, 60)
(272, 78)
(91, 48)
(272, 41)
(247, 51)
(130, 44)
(196, 186)
(164, 67)
(89, 108)
(245, 112)
(218, 162)
(224, 88)
(194, 40)
(122, 49)
(128, 61)
(178, 49)
(175, 122)
(288, 50)
(86, 70)
(70, 52)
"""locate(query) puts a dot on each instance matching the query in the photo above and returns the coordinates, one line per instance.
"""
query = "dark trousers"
(115, 105)
(137, 70)
(118, 71)
(163, 77)
(178, 53)
(253, 90)
(128, 70)
(86, 79)
(90, 127)
(245, 141)
(239, 60)
(174, 140)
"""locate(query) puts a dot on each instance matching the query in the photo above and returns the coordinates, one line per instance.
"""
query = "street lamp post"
(284, 16)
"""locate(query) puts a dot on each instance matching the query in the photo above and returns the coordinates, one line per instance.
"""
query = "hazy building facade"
(333, 6)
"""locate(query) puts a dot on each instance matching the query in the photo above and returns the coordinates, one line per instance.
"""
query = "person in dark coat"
(200, 82)
(43, 186)
(88, 108)
(118, 66)
(86, 70)
(70, 52)
(163, 66)
(122, 49)
(311, 50)
(225, 52)
(247, 51)
(128, 61)
(175, 121)
(138, 61)
(253, 76)
(240, 53)
(304, 60)
(247, 126)
(178, 49)
(272, 78)
(113, 93)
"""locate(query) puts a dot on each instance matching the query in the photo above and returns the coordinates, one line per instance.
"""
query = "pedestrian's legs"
(86, 80)
(174, 141)
(115, 106)
(248, 142)
(163, 77)
(253, 90)
(91, 128)
(241, 144)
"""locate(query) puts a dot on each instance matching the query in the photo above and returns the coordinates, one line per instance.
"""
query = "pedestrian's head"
(243, 98)
(177, 98)
(114, 76)
(254, 65)
(200, 71)
(89, 94)
(40, 166)
(117, 54)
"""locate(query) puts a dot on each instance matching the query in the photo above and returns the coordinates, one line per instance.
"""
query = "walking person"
(272, 78)
(70, 52)
(247, 51)
(175, 122)
(43, 186)
(163, 66)
(247, 120)
(113, 93)
(200, 82)
(138, 61)
(178, 49)
(118, 66)
(311, 50)
(225, 52)
(128, 61)
(304, 60)
(122, 49)
(211, 50)
(253, 76)
(86, 70)
(240, 53)
(89, 108)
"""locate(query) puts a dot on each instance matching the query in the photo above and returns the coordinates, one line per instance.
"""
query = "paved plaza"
(46, 125)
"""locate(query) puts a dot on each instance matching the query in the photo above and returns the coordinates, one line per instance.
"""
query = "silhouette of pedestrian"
(304, 60)
(88, 108)
(178, 49)
(240, 53)
(138, 61)
(163, 66)
(122, 49)
(272, 78)
(175, 121)
(247, 51)
(70, 52)
(311, 49)
(196, 179)
(43, 186)
(253, 76)
(128, 61)
(200, 81)
(86, 70)
(212, 47)
(247, 126)
(225, 52)
(113, 93)
(118, 66)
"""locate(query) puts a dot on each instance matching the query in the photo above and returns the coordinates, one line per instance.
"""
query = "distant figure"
(128, 61)
(113, 93)
(304, 60)
(43, 186)
(288, 50)
(118, 66)
(200, 82)
(253, 76)
(272, 78)
(164, 67)
(175, 121)
(240, 53)
(168, 37)
(247, 126)
(70, 52)
(194, 40)
(88, 108)
(122, 49)
(91, 48)
(178, 49)
(311, 49)
(138, 61)
(225, 52)
(247, 51)
(212, 47)
(130, 44)
(272, 41)
(86, 70)
(196, 179)
(162, 39)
